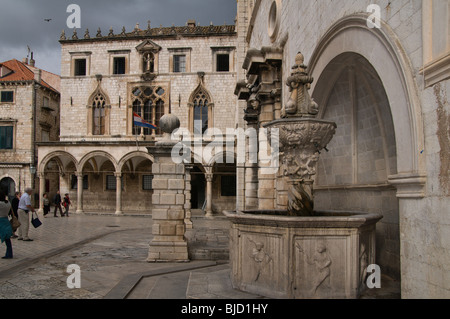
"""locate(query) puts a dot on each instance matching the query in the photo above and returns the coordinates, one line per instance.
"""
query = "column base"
(119, 212)
(168, 252)
(209, 214)
(79, 212)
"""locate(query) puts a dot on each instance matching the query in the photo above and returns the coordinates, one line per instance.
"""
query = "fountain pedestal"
(325, 256)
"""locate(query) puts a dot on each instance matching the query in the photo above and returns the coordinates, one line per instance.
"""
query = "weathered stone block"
(167, 199)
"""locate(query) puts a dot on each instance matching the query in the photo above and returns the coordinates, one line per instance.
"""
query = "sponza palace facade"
(106, 78)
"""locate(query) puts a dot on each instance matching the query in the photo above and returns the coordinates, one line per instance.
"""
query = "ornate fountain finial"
(111, 32)
(300, 103)
(86, 34)
(99, 33)
(63, 35)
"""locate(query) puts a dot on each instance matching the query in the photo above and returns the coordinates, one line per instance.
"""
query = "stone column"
(209, 179)
(79, 193)
(41, 191)
(187, 196)
(118, 193)
(169, 243)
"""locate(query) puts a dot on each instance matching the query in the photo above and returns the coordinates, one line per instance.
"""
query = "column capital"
(209, 177)
(118, 174)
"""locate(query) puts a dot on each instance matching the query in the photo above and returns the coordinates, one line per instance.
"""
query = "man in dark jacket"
(57, 202)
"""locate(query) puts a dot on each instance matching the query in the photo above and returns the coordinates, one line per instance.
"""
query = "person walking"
(46, 204)
(15, 207)
(5, 226)
(57, 202)
(66, 204)
(24, 208)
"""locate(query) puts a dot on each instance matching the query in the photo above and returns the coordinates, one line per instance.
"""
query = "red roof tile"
(21, 72)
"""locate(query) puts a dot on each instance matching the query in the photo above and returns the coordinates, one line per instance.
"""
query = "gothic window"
(98, 112)
(200, 113)
(98, 116)
(200, 109)
(149, 105)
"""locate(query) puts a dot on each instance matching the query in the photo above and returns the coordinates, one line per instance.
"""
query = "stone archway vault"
(381, 48)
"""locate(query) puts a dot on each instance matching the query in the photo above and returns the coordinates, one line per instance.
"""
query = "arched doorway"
(8, 186)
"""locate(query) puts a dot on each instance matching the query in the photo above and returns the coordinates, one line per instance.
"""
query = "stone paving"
(111, 252)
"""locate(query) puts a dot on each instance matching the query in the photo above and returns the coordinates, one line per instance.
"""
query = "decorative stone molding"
(409, 185)
(436, 71)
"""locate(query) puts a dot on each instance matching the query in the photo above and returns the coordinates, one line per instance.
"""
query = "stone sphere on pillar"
(169, 123)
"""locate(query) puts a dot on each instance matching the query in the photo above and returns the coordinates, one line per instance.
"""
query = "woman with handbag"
(5, 226)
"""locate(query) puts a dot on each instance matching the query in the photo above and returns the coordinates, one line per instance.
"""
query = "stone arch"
(93, 154)
(57, 157)
(381, 47)
(9, 185)
(222, 157)
(131, 155)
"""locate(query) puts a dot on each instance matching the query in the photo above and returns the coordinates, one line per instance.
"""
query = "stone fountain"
(299, 252)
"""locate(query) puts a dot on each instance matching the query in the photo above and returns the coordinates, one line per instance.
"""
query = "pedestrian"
(57, 202)
(46, 203)
(66, 204)
(5, 226)
(24, 208)
(15, 207)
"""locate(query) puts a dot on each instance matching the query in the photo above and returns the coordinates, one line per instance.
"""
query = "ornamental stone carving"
(301, 138)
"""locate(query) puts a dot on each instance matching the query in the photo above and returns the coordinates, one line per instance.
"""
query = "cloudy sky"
(22, 22)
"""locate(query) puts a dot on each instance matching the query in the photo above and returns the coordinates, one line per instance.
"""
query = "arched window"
(98, 115)
(200, 113)
(200, 109)
(99, 107)
(138, 110)
(151, 109)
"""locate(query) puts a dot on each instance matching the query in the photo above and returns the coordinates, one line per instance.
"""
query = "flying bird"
(47, 20)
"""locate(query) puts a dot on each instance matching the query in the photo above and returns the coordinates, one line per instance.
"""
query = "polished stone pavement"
(111, 252)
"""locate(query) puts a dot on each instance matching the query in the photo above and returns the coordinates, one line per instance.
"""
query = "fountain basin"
(324, 256)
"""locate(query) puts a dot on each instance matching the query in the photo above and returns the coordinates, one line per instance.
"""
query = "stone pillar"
(209, 178)
(169, 243)
(118, 193)
(79, 193)
(251, 164)
(187, 196)
(41, 191)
